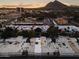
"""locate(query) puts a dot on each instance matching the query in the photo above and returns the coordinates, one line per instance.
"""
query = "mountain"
(56, 5)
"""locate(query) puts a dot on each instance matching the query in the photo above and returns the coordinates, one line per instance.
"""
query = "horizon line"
(37, 5)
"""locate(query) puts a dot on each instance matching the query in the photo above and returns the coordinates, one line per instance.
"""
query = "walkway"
(37, 46)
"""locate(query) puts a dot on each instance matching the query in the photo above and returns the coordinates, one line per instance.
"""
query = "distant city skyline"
(33, 3)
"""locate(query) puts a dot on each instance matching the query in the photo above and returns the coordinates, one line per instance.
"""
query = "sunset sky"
(33, 3)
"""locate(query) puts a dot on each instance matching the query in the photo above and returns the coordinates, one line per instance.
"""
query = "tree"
(1, 31)
(38, 31)
(28, 40)
(44, 34)
(77, 40)
(3, 36)
(56, 53)
(8, 33)
(31, 34)
(0, 25)
(24, 33)
(25, 53)
(76, 34)
(15, 32)
(40, 18)
(52, 32)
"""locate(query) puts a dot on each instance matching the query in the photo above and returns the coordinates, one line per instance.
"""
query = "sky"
(33, 3)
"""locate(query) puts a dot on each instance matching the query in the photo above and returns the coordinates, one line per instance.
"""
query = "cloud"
(34, 5)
